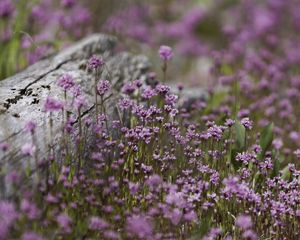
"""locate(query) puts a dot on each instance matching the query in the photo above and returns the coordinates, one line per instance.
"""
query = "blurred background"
(34, 29)
(199, 31)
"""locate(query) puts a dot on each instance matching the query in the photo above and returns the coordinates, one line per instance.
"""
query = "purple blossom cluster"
(225, 166)
(155, 175)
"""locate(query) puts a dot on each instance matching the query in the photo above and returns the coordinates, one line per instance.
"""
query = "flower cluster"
(163, 166)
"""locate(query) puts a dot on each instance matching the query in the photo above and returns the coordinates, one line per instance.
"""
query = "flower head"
(80, 101)
(31, 236)
(6, 8)
(28, 149)
(95, 62)
(96, 223)
(66, 82)
(103, 86)
(30, 126)
(64, 221)
(139, 226)
(165, 53)
(68, 3)
(243, 221)
(247, 123)
(53, 105)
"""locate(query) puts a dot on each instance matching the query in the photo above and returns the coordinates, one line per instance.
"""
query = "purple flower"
(28, 149)
(66, 82)
(229, 122)
(8, 213)
(245, 157)
(133, 187)
(111, 235)
(4, 146)
(8, 216)
(64, 222)
(129, 88)
(277, 143)
(213, 234)
(31, 236)
(103, 86)
(95, 62)
(162, 89)
(171, 99)
(243, 221)
(96, 223)
(175, 216)
(247, 123)
(165, 53)
(30, 126)
(80, 101)
(52, 105)
(13, 177)
(139, 226)
(6, 8)
(148, 93)
(250, 234)
(125, 103)
(68, 3)
(297, 153)
(30, 209)
(154, 180)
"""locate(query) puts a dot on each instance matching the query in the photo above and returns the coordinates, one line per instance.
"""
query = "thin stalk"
(164, 69)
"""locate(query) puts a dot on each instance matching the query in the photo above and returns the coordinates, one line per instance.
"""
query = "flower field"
(223, 165)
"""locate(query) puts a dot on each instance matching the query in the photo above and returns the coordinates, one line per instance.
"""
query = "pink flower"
(96, 223)
(31, 236)
(66, 82)
(80, 101)
(64, 221)
(53, 105)
(28, 149)
(30, 209)
(30, 126)
(95, 62)
(243, 221)
(139, 226)
(165, 53)
(103, 86)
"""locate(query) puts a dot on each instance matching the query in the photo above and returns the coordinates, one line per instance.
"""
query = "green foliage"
(240, 135)
(266, 138)
(215, 100)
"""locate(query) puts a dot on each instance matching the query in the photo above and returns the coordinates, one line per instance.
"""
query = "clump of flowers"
(162, 166)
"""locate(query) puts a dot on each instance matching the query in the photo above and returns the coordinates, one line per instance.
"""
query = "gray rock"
(22, 96)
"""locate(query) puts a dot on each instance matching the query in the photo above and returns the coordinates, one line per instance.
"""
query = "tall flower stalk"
(95, 64)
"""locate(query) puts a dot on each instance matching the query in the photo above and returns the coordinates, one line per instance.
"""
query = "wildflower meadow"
(221, 164)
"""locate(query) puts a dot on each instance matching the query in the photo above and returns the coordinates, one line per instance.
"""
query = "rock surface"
(23, 95)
